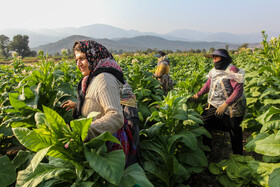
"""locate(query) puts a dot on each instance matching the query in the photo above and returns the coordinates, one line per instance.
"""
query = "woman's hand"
(193, 98)
(221, 110)
(68, 105)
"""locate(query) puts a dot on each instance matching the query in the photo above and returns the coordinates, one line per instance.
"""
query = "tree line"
(19, 44)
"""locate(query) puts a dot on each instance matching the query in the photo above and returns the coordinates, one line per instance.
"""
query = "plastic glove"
(193, 98)
(221, 110)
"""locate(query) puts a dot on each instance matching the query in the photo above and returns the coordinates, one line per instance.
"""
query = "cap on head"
(218, 52)
(161, 53)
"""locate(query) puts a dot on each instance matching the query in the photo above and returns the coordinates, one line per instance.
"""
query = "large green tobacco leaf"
(55, 122)
(200, 131)
(134, 175)
(271, 101)
(269, 146)
(181, 173)
(19, 104)
(157, 172)
(261, 171)
(270, 92)
(185, 137)
(22, 159)
(101, 139)
(17, 119)
(250, 146)
(155, 129)
(158, 147)
(251, 100)
(7, 171)
(38, 158)
(40, 119)
(226, 181)
(81, 126)
(110, 166)
(38, 139)
(194, 158)
(43, 173)
(274, 178)
(32, 95)
(233, 172)
(270, 119)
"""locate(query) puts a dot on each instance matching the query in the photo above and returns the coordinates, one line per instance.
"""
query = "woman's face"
(216, 58)
(82, 62)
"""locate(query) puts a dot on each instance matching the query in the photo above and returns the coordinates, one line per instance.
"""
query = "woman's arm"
(237, 92)
(237, 89)
(205, 88)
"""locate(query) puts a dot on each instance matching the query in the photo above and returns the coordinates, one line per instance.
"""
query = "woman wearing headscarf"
(162, 72)
(226, 99)
(100, 90)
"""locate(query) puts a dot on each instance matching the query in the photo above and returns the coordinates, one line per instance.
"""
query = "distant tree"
(243, 46)
(4, 46)
(57, 54)
(20, 45)
(33, 53)
(211, 50)
(203, 51)
(227, 47)
(121, 51)
(178, 51)
(168, 51)
(198, 51)
(191, 51)
(149, 50)
(69, 51)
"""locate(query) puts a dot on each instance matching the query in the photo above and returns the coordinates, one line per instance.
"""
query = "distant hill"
(134, 44)
(98, 31)
(66, 43)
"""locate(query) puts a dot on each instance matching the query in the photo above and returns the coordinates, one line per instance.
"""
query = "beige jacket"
(103, 95)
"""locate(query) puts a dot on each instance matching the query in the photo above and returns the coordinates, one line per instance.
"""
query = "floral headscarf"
(100, 59)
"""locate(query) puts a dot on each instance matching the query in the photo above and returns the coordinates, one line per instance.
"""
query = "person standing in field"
(100, 90)
(226, 99)
(162, 72)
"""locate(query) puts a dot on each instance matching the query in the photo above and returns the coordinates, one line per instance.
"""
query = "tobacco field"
(41, 144)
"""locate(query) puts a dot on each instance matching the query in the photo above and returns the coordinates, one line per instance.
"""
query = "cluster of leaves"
(44, 84)
(245, 171)
(63, 158)
(145, 87)
(172, 148)
(25, 89)
(171, 138)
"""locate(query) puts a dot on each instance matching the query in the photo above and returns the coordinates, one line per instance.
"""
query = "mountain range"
(132, 40)
(137, 43)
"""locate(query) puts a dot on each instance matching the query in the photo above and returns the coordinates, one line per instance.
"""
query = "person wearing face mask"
(226, 99)
(100, 90)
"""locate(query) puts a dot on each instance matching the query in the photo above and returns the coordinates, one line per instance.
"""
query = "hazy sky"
(160, 16)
